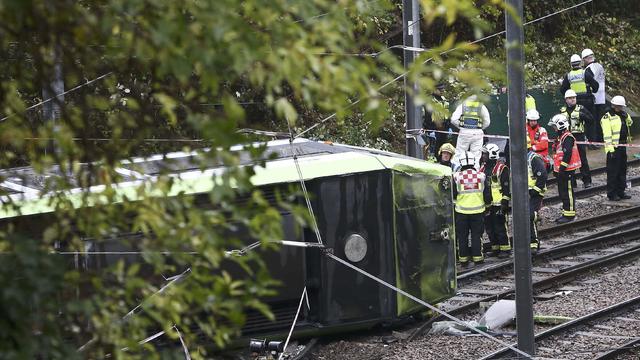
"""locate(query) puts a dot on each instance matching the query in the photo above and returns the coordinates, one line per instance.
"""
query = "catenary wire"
(429, 59)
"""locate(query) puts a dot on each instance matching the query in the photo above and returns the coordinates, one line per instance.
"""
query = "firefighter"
(469, 209)
(471, 117)
(497, 191)
(616, 129)
(579, 120)
(445, 154)
(565, 162)
(436, 117)
(538, 137)
(537, 170)
(583, 83)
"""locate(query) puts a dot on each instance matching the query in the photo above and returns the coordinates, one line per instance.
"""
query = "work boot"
(504, 254)
(587, 184)
(625, 197)
(613, 198)
(564, 219)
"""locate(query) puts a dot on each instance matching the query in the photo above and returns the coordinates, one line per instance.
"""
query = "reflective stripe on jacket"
(576, 124)
(576, 78)
(471, 115)
(574, 163)
(470, 187)
(496, 185)
(611, 125)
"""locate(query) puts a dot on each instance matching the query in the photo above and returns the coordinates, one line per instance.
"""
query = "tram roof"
(194, 172)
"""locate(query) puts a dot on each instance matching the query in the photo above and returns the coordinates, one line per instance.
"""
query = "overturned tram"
(387, 214)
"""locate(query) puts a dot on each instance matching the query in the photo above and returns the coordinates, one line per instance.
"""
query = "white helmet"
(467, 159)
(586, 53)
(493, 150)
(560, 122)
(575, 58)
(533, 114)
(618, 100)
(570, 93)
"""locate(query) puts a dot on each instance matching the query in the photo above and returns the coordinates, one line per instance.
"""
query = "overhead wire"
(401, 76)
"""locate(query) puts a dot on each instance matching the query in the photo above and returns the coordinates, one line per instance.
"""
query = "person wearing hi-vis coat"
(471, 117)
(616, 130)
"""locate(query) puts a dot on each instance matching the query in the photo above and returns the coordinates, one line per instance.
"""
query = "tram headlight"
(355, 248)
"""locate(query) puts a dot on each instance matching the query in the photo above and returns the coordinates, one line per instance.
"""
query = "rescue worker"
(565, 162)
(581, 82)
(445, 154)
(538, 137)
(436, 117)
(471, 117)
(497, 191)
(616, 129)
(600, 97)
(579, 119)
(537, 186)
(469, 209)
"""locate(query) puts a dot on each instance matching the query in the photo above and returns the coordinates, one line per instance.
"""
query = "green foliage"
(178, 69)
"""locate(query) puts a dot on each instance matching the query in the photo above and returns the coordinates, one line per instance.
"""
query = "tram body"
(387, 214)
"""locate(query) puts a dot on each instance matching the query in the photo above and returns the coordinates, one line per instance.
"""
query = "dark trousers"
(495, 224)
(616, 172)
(565, 190)
(600, 109)
(582, 151)
(535, 203)
(587, 100)
(465, 224)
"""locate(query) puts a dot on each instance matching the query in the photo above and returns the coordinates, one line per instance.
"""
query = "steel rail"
(562, 277)
(624, 348)
(581, 321)
(584, 193)
(585, 223)
(597, 171)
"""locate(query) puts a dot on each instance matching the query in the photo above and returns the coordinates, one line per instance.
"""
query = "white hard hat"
(560, 121)
(570, 93)
(575, 58)
(493, 150)
(618, 100)
(533, 114)
(467, 159)
(586, 52)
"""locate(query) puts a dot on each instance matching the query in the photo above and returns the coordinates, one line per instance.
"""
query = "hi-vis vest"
(532, 179)
(611, 125)
(574, 163)
(471, 118)
(470, 186)
(529, 103)
(496, 189)
(576, 78)
(575, 124)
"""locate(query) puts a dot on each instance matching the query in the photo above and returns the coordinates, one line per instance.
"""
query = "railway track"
(618, 324)
(591, 252)
(595, 172)
(584, 193)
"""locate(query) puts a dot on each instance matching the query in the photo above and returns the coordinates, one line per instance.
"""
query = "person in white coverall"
(471, 117)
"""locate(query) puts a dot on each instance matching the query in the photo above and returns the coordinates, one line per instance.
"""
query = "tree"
(160, 65)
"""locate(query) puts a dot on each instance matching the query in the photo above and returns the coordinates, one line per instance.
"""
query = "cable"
(295, 320)
(427, 305)
(61, 94)
(429, 59)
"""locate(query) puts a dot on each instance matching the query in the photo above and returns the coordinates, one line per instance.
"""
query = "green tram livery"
(387, 214)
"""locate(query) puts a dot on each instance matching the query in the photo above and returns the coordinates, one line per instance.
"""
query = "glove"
(562, 168)
(533, 193)
(504, 206)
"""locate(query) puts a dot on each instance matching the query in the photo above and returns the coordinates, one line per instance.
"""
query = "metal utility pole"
(51, 110)
(519, 176)
(411, 37)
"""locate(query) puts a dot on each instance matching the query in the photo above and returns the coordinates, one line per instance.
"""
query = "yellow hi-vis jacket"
(576, 78)
(611, 125)
(470, 188)
(471, 118)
